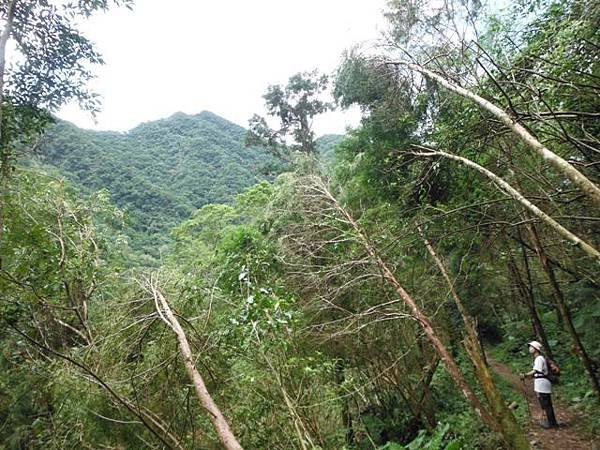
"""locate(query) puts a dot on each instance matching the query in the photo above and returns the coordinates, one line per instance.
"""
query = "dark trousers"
(546, 404)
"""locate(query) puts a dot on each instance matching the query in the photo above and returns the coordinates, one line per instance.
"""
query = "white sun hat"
(536, 345)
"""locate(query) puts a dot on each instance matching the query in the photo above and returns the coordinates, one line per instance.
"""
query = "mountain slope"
(160, 171)
(326, 145)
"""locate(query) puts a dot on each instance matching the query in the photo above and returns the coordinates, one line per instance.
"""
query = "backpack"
(553, 371)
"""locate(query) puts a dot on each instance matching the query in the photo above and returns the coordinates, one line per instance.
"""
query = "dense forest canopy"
(159, 172)
(368, 291)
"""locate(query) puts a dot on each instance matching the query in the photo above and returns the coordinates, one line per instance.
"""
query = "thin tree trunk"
(508, 189)
(526, 292)
(10, 15)
(424, 403)
(587, 187)
(419, 405)
(4, 154)
(225, 434)
(510, 429)
(565, 314)
(340, 378)
(300, 431)
(526, 296)
(577, 274)
(420, 317)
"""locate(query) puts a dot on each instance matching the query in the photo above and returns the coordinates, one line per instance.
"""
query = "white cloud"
(220, 56)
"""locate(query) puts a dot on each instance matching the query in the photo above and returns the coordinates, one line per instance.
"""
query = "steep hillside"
(326, 147)
(160, 171)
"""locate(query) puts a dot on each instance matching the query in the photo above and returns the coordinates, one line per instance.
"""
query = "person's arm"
(527, 374)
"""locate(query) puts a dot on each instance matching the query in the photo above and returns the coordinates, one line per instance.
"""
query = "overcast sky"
(217, 55)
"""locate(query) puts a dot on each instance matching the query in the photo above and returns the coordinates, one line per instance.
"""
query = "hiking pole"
(526, 399)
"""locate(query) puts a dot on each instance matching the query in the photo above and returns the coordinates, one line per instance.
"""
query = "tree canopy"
(294, 106)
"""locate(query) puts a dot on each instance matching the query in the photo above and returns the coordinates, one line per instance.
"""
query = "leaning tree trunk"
(581, 181)
(4, 153)
(421, 318)
(163, 309)
(526, 293)
(510, 429)
(424, 403)
(564, 311)
(508, 189)
(6, 32)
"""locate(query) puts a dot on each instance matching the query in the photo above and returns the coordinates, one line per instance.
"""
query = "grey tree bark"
(215, 415)
(508, 189)
(581, 181)
(421, 318)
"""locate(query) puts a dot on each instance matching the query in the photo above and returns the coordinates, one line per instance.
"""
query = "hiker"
(541, 384)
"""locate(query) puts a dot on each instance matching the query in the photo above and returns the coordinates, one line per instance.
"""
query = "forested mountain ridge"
(326, 146)
(159, 171)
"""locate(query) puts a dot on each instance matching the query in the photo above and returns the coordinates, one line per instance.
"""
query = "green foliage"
(48, 76)
(159, 172)
(55, 251)
(50, 236)
(50, 65)
(294, 106)
(299, 338)
(426, 441)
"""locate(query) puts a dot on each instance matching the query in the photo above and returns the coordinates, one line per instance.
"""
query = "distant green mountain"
(326, 145)
(160, 171)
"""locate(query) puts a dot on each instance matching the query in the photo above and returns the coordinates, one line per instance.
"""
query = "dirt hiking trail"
(568, 436)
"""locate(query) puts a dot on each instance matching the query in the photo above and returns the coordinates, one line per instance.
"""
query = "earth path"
(568, 436)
